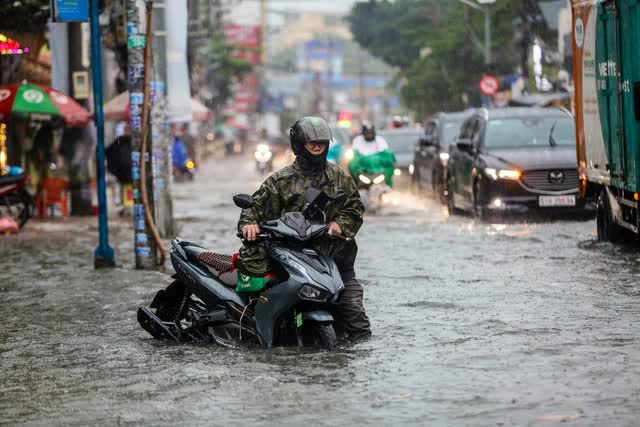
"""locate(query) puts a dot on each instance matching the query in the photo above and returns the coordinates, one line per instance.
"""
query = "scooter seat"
(219, 262)
(11, 179)
(221, 266)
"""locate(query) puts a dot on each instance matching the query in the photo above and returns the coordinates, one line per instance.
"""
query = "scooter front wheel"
(18, 205)
(323, 334)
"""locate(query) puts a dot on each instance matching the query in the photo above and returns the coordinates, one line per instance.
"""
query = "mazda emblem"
(556, 177)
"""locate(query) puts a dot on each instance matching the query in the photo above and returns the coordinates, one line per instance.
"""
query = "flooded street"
(473, 324)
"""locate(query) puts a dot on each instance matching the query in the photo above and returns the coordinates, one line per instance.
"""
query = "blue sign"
(70, 10)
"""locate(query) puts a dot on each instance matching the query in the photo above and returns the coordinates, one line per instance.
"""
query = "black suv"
(514, 160)
(431, 153)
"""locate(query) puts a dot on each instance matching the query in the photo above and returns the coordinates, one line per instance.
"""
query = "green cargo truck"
(606, 46)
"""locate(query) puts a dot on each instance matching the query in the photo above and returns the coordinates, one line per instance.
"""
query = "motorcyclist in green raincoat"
(283, 191)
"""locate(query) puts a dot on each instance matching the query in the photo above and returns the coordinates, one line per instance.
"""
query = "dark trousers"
(352, 317)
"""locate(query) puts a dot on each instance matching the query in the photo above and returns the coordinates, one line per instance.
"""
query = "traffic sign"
(489, 85)
(70, 11)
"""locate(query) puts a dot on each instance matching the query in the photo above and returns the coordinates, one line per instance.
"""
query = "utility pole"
(263, 36)
(487, 24)
(330, 53)
(145, 247)
(360, 83)
(162, 168)
(487, 36)
(103, 256)
(78, 170)
(262, 85)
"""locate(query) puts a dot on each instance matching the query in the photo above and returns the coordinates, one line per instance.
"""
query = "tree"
(438, 45)
(224, 68)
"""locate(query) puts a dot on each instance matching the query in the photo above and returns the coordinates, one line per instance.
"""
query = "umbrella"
(41, 103)
(118, 109)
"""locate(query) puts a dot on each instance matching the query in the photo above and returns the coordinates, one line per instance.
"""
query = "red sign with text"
(247, 40)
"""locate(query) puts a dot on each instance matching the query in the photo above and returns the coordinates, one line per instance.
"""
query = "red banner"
(247, 38)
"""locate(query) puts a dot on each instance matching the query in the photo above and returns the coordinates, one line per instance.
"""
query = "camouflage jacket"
(284, 191)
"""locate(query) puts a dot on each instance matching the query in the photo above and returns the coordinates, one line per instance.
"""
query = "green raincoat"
(380, 162)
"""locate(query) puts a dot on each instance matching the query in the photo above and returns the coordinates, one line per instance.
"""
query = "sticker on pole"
(489, 85)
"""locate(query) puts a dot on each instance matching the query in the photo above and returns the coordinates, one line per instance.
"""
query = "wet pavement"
(474, 324)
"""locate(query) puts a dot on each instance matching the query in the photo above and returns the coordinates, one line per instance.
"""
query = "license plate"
(553, 201)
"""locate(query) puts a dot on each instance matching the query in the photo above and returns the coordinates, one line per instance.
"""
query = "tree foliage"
(25, 16)
(438, 45)
(223, 69)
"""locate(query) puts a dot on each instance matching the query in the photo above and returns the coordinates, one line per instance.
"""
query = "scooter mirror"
(311, 194)
(244, 201)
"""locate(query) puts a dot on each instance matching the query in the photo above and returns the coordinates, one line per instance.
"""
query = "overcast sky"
(248, 11)
(318, 5)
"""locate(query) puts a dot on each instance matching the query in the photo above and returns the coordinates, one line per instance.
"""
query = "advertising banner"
(247, 38)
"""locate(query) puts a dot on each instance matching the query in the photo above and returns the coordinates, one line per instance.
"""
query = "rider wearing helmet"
(283, 191)
(369, 143)
(371, 154)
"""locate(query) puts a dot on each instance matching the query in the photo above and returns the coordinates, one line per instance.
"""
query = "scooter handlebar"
(259, 236)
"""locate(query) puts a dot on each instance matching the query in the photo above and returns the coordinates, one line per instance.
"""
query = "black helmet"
(368, 131)
(309, 129)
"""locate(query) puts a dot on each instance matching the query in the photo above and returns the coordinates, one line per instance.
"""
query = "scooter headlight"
(263, 156)
(378, 179)
(311, 293)
(364, 179)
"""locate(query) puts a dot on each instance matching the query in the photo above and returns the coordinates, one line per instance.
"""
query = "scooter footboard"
(156, 327)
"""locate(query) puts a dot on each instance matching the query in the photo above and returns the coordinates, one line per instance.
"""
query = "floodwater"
(473, 324)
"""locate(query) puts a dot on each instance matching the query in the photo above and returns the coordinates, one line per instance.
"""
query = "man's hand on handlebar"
(333, 229)
(250, 232)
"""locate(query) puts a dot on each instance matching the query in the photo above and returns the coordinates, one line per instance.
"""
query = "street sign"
(70, 10)
(137, 41)
(489, 85)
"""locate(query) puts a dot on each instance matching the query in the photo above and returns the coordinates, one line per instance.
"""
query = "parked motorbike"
(372, 187)
(183, 166)
(15, 201)
(185, 171)
(203, 303)
(264, 158)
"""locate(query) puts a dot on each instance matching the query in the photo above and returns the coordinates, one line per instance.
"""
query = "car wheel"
(414, 183)
(451, 204)
(479, 209)
(439, 188)
(608, 230)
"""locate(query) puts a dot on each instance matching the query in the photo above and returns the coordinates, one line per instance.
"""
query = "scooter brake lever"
(339, 237)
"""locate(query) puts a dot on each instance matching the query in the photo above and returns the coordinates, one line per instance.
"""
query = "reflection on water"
(474, 323)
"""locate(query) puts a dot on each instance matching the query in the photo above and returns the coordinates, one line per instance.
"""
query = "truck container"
(606, 47)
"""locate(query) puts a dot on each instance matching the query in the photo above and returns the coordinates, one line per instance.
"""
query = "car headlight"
(311, 293)
(348, 154)
(510, 174)
(364, 179)
(378, 179)
(397, 172)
